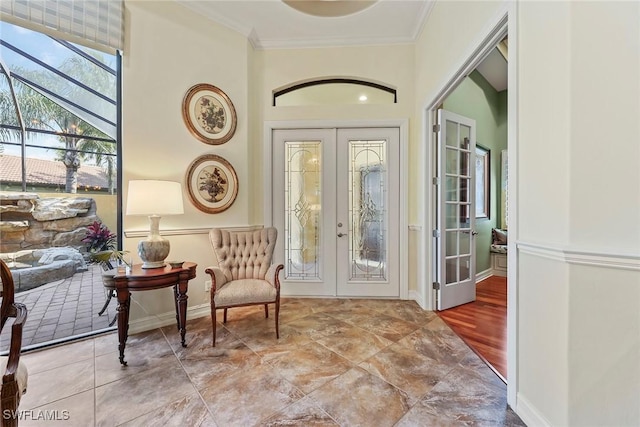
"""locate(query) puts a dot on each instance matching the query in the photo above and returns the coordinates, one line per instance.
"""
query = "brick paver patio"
(64, 309)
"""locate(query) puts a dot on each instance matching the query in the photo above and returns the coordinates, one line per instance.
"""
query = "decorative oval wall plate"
(209, 114)
(212, 183)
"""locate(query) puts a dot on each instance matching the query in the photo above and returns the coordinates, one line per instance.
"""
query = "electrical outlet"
(207, 286)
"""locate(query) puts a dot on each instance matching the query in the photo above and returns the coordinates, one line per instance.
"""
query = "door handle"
(473, 233)
(341, 234)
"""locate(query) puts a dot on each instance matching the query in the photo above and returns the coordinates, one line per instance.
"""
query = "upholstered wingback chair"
(14, 372)
(244, 274)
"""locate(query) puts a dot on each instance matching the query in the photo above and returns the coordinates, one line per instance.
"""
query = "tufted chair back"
(244, 255)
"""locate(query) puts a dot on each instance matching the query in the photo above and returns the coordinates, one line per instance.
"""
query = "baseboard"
(498, 273)
(529, 414)
(484, 274)
(415, 295)
(168, 318)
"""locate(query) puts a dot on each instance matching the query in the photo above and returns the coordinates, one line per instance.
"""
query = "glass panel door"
(336, 207)
(368, 210)
(304, 210)
(456, 219)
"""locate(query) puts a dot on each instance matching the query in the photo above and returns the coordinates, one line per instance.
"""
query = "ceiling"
(271, 24)
(274, 24)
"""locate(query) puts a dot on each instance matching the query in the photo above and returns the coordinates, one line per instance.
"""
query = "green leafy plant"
(107, 258)
(101, 245)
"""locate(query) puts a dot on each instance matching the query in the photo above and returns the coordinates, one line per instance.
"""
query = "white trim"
(190, 231)
(581, 257)
(484, 274)
(415, 295)
(529, 414)
(402, 124)
(512, 198)
(168, 318)
(425, 211)
(404, 209)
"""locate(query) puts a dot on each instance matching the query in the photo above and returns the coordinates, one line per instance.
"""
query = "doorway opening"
(473, 210)
(487, 42)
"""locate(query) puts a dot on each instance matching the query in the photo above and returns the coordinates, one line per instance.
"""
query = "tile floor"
(337, 363)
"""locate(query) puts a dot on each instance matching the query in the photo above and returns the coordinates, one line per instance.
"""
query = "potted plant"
(101, 246)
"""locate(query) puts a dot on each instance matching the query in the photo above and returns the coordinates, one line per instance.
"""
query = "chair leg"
(213, 320)
(277, 317)
(225, 316)
(266, 311)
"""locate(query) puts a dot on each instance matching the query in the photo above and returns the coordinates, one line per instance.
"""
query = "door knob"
(341, 234)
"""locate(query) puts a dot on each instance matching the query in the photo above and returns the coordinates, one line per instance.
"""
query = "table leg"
(124, 301)
(175, 300)
(181, 306)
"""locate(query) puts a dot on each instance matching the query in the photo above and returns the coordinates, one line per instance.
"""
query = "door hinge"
(436, 233)
(436, 180)
(436, 286)
(436, 128)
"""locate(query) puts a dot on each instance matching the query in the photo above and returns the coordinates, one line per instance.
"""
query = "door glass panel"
(451, 134)
(451, 243)
(465, 268)
(452, 216)
(303, 207)
(464, 163)
(367, 210)
(452, 161)
(451, 270)
(451, 189)
(465, 137)
(465, 243)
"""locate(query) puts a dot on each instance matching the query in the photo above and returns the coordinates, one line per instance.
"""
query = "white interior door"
(336, 201)
(456, 210)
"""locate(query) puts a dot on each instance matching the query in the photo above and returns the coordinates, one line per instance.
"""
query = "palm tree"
(43, 113)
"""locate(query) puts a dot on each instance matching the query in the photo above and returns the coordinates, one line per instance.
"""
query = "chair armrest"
(16, 342)
(217, 278)
(273, 275)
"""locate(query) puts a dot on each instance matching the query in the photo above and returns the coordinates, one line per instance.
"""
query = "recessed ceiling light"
(329, 8)
(363, 98)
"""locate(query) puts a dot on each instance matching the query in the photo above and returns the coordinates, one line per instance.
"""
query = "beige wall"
(168, 49)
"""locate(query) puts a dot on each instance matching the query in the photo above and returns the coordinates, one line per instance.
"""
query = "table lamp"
(154, 198)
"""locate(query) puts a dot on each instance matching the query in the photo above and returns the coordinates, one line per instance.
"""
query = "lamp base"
(153, 252)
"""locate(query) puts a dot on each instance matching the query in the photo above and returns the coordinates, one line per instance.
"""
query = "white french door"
(456, 272)
(336, 201)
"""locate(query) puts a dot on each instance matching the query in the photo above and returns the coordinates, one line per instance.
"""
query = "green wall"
(476, 99)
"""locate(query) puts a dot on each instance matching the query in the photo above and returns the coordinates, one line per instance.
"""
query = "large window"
(59, 158)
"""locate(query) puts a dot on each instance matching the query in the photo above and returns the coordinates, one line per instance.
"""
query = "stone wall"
(29, 222)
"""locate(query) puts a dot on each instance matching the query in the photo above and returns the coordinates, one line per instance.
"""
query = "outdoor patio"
(63, 309)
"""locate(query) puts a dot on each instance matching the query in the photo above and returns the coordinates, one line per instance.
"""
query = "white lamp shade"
(154, 197)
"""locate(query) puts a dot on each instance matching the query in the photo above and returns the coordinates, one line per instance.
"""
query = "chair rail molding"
(191, 231)
(580, 256)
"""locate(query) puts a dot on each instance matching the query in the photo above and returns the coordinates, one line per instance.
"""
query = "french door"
(456, 267)
(336, 201)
